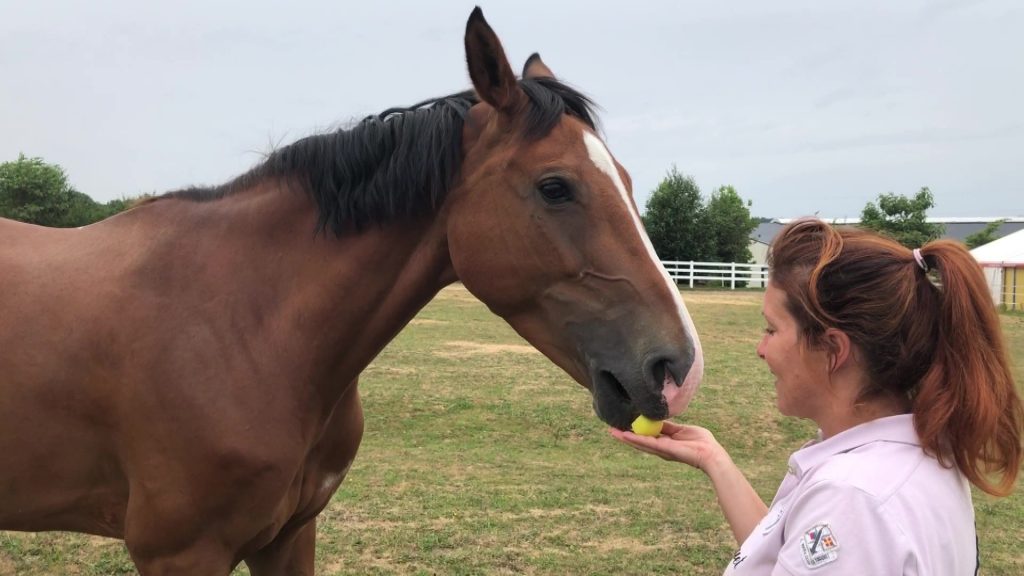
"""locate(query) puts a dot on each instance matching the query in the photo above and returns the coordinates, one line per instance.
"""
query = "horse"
(183, 375)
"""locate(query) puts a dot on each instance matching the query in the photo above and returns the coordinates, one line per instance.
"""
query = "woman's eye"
(555, 191)
(769, 331)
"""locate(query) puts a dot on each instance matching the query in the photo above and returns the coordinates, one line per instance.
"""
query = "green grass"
(480, 457)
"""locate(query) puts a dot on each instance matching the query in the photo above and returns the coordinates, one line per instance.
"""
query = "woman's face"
(801, 374)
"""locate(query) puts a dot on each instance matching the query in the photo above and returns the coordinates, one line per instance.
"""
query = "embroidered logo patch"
(819, 546)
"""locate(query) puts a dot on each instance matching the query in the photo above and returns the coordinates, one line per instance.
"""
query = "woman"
(907, 378)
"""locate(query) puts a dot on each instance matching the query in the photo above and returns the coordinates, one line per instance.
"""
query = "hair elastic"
(920, 259)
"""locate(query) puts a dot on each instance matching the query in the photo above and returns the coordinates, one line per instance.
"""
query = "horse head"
(543, 229)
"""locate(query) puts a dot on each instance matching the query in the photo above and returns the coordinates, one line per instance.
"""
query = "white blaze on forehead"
(601, 158)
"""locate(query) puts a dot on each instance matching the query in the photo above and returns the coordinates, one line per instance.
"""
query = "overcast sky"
(805, 107)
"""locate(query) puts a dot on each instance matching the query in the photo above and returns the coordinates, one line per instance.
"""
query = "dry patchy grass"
(480, 457)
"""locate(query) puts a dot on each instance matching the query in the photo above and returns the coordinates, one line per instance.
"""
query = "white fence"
(718, 273)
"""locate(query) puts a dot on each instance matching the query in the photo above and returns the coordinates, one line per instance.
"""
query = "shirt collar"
(899, 428)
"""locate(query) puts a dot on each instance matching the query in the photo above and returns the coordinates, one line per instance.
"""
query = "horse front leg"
(290, 555)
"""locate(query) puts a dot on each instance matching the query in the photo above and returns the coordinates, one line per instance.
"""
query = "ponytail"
(966, 405)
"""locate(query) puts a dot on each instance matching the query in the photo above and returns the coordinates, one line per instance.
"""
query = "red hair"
(934, 342)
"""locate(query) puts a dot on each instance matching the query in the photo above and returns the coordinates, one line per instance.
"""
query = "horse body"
(221, 345)
(184, 374)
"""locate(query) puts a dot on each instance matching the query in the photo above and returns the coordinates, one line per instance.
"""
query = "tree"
(675, 219)
(729, 225)
(902, 218)
(38, 193)
(985, 235)
(33, 191)
(83, 210)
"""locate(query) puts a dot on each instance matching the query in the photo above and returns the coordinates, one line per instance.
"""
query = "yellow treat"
(644, 426)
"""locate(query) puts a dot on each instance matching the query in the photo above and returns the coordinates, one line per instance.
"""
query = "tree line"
(682, 225)
(39, 193)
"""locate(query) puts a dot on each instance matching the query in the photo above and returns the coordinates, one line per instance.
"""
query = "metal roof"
(956, 228)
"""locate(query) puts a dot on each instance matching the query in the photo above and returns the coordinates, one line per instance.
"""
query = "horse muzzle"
(660, 386)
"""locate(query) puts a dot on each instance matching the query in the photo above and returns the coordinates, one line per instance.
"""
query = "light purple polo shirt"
(867, 501)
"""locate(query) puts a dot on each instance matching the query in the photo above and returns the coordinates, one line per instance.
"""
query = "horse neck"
(384, 276)
(345, 296)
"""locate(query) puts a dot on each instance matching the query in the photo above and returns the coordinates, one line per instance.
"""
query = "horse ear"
(535, 68)
(489, 68)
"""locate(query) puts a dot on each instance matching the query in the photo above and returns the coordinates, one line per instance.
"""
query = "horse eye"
(555, 191)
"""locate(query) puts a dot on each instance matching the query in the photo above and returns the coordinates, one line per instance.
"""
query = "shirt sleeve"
(835, 529)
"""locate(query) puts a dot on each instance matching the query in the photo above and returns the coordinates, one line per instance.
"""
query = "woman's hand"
(691, 445)
(696, 446)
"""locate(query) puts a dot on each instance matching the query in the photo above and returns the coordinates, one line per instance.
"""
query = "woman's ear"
(840, 349)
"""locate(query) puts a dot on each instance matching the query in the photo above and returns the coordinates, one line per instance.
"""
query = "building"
(761, 238)
(1003, 263)
(956, 229)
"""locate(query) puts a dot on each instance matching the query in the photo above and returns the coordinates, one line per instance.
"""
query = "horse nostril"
(670, 381)
(659, 371)
(613, 387)
(665, 369)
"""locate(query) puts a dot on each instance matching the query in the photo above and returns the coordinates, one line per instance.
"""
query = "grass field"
(480, 457)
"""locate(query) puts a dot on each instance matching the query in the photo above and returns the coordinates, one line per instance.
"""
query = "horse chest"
(329, 460)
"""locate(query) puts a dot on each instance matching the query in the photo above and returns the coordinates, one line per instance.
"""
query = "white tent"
(1003, 263)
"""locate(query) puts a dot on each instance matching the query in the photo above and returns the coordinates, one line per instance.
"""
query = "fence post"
(691, 273)
(732, 276)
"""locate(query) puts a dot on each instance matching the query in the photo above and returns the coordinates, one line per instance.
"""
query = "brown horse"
(183, 375)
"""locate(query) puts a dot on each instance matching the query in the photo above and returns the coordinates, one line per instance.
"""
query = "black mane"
(397, 164)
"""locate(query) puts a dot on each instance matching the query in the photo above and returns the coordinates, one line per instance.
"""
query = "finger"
(694, 433)
(669, 427)
(629, 437)
(616, 433)
(663, 446)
